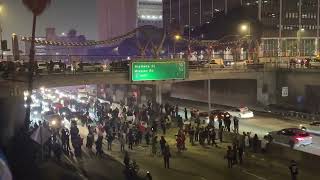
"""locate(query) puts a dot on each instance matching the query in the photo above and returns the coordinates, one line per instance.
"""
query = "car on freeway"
(241, 113)
(313, 127)
(42, 67)
(215, 63)
(90, 67)
(294, 137)
(65, 112)
(54, 120)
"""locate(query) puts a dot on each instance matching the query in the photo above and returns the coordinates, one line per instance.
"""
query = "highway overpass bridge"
(261, 85)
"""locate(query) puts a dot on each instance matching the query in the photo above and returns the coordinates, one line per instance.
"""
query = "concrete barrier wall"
(306, 161)
(224, 92)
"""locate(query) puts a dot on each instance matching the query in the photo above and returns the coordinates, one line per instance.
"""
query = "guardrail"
(200, 68)
(291, 115)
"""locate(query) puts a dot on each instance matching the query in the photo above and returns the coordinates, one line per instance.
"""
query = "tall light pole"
(300, 28)
(246, 29)
(176, 38)
(1, 9)
(280, 33)
(299, 32)
(318, 24)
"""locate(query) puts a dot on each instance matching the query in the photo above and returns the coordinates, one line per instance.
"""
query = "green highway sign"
(158, 70)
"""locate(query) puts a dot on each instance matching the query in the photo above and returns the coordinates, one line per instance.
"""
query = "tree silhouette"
(37, 7)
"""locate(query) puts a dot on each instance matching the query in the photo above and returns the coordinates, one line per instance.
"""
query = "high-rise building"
(193, 12)
(299, 22)
(150, 13)
(116, 17)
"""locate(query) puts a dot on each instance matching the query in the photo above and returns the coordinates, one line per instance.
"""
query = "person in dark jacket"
(294, 170)
(166, 156)
(109, 139)
(147, 137)
(90, 140)
(99, 146)
(162, 144)
(255, 142)
(236, 124)
(229, 157)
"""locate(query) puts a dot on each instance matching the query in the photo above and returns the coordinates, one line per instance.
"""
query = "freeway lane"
(259, 125)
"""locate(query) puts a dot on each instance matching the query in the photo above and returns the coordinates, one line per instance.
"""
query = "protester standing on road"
(220, 134)
(147, 137)
(220, 122)
(212, 137)
(229, 157)
(240, 153)
(255, 142)
(196, 135)
(109, 139)
(130, 140)
(162, 144)
(154, 145)
(293, 170)
(185, 114)
(236, 124)
(176, 110)
(246, 140)
(90, 140)
(191, 135)
(99, 146)
(163, 125)
(166, 156)
(122, 141)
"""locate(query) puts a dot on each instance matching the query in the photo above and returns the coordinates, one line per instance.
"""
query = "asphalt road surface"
(259, 125)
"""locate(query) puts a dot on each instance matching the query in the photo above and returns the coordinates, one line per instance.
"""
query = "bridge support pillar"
(12, 110)
(159, 93)
(266, 88)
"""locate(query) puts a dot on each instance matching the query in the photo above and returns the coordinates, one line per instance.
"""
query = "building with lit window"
(150, 13)
(293, 24)
(193, 13)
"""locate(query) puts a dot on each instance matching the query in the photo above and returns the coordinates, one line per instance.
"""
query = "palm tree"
(37, 7)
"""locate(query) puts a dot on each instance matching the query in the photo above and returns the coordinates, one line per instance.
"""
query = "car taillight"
(299, 138)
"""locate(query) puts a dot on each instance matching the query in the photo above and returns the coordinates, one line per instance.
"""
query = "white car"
(42, 67)
(313, 127)
(241, 113)
(294, 137)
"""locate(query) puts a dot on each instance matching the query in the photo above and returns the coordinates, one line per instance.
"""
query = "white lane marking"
(254, 175)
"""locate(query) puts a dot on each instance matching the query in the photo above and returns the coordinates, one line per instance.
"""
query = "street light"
(177, 37)
(1, 10)
(245, 28)
(299, 39)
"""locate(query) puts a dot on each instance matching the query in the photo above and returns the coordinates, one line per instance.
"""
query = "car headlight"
(53, 122)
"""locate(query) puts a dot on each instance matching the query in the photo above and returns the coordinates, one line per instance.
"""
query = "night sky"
(62, 14)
